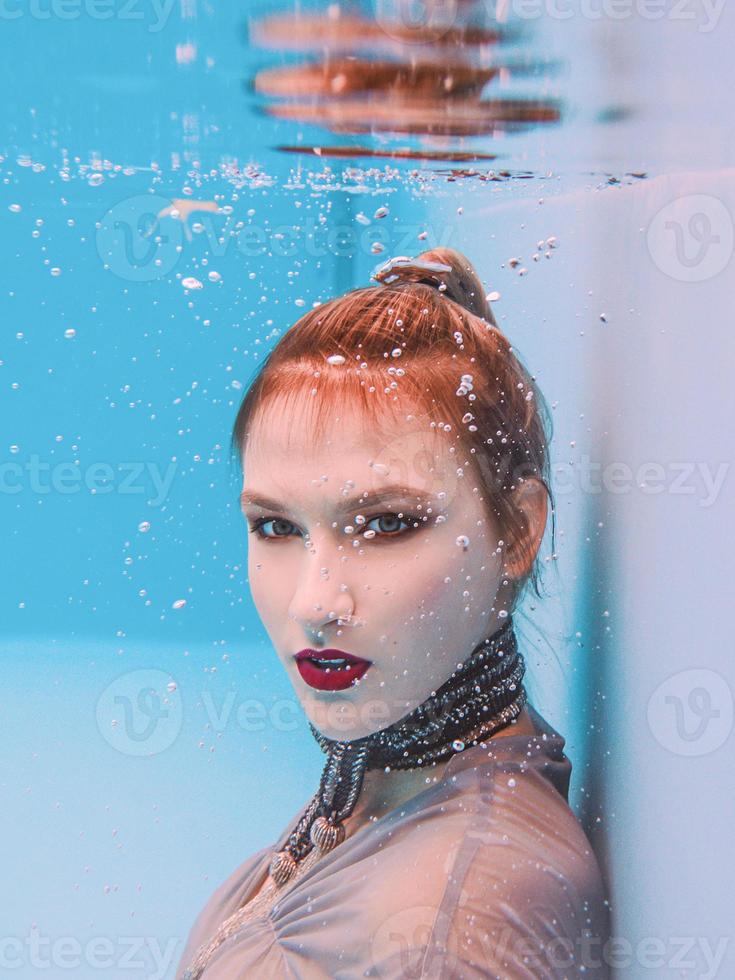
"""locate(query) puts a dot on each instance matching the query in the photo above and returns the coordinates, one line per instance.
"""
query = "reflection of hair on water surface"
(351, 32)
(422, 79)
(456, 118)
(343, 76)
(399, 152)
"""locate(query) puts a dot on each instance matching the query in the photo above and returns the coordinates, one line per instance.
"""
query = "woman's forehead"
(291, 431)
(411, 465)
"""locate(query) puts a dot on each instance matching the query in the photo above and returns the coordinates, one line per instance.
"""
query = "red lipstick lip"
(329, 654)
(326, 678)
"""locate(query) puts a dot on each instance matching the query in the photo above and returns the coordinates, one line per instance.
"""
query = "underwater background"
(180, 182)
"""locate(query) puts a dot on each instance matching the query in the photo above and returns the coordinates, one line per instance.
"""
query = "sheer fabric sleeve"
(523, 900)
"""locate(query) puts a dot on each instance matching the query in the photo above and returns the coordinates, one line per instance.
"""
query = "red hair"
(444, 335)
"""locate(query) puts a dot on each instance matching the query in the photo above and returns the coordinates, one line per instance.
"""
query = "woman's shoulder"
(499, 873)
(499, 812)
(511, 794)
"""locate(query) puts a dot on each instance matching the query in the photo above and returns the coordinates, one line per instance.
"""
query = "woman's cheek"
(440, 574)
(267, 584)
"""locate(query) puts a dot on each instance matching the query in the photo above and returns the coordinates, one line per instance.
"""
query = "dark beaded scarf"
(481, 696)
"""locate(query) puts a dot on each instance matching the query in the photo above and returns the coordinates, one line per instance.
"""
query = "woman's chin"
(344, 719)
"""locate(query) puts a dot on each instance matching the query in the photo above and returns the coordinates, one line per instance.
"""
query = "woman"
(395, 455)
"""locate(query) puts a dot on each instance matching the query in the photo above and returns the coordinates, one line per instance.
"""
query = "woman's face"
(411, 581)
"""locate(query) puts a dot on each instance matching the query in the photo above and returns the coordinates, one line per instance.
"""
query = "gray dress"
(485, 873)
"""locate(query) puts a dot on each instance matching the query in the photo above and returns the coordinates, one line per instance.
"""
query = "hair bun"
(445, 269)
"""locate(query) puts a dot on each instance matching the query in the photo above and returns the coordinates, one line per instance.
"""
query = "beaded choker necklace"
(481, 696)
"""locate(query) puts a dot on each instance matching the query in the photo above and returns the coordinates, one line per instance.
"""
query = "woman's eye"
(389, 526)
(393, 522)
(282, 527)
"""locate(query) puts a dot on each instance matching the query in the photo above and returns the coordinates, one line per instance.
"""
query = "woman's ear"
(531, 499)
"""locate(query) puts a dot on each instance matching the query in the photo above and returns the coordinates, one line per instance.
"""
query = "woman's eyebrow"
(255, 499)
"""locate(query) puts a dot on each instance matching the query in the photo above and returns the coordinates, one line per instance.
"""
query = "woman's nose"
(320, 596)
